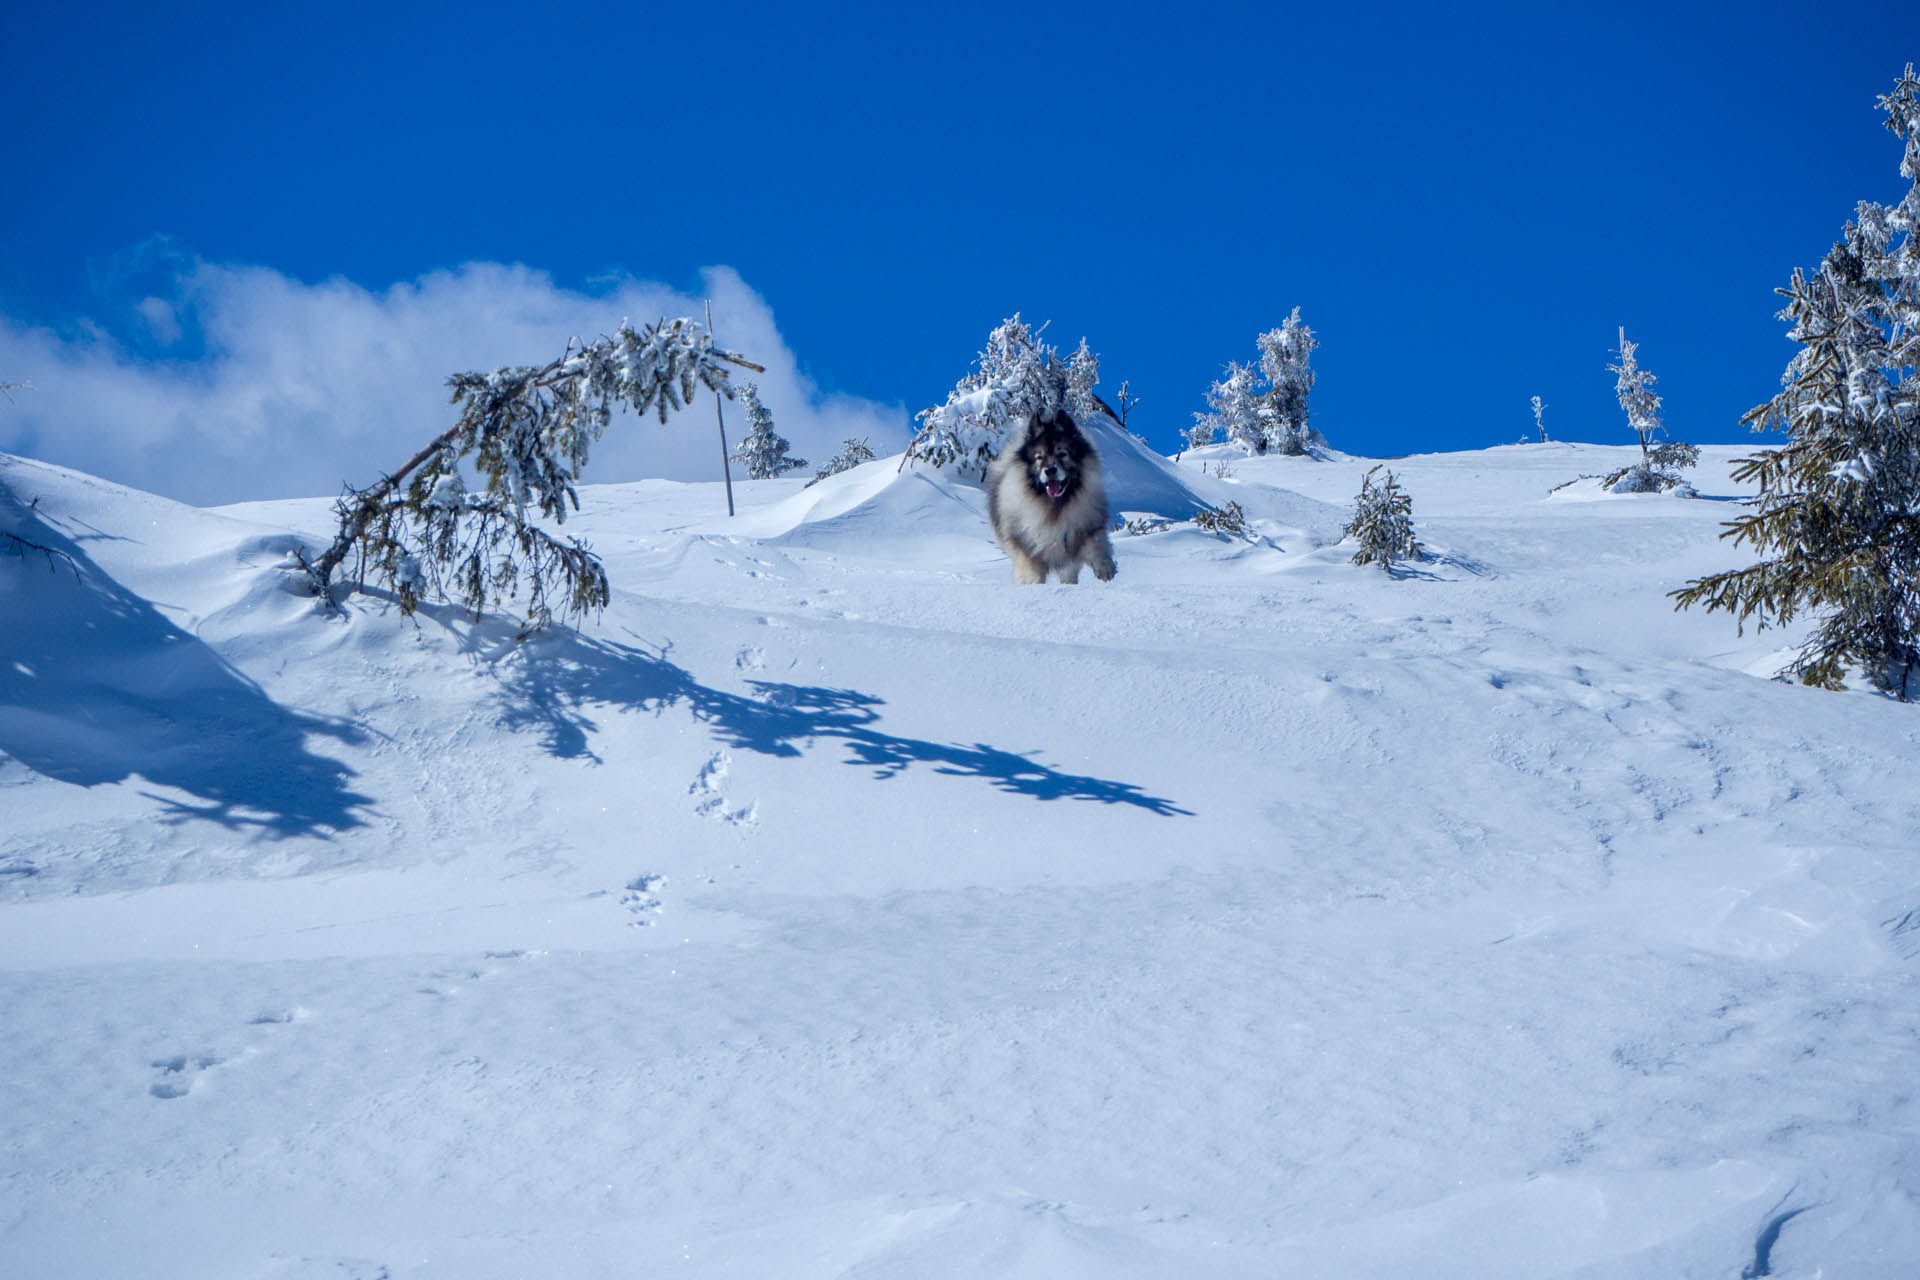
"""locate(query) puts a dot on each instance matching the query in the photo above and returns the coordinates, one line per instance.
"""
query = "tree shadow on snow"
(96, 686)
(550, 681)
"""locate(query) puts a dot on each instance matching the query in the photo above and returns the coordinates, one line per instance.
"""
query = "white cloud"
(304, 387)
(161, 322)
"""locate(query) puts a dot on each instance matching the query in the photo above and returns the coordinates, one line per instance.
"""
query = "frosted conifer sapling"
(1382, 523)
(764, 451)
(1660, 464)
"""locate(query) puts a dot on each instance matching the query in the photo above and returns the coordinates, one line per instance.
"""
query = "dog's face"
(1054, 453)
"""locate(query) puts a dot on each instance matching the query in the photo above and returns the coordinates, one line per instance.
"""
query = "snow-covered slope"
(832, 907)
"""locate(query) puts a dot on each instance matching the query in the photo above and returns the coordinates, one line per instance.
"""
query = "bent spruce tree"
(526, 431)
(1839, 504)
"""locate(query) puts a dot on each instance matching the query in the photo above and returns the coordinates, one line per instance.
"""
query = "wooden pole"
(719, 416)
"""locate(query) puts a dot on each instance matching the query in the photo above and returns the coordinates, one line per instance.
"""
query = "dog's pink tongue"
(1055, 490)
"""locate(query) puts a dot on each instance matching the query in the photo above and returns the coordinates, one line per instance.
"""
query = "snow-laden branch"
(527, 432)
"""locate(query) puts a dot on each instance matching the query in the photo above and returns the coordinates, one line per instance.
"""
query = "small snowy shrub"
(852, 454)
(1142, 525)
(1660, 465)
(1228, 521)
(1839, 504)
(419, 531)
(764, 451)
(1382, 523)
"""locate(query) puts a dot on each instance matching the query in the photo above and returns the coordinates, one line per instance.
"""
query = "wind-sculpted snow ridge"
(833, 907)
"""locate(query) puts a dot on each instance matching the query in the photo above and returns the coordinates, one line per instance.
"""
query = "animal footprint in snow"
(640, 899)
(277, 1017)
(710, 798)
(177, 1074)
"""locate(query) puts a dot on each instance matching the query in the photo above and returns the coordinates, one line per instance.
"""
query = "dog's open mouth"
(1055, 488)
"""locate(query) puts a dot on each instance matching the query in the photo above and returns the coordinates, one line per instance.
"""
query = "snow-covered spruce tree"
(1540, 419)
(1234, 410)
(763, 451)
(852, 454)
(421, 533)
(1660, 464)
(1382, 523)
(1016, 376)
(1839, 504)
(1284, 354)
(1265, 410)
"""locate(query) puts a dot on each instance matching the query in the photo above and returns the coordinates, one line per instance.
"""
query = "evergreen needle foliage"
(419, 532)
(1382, 523)
(1839, 503)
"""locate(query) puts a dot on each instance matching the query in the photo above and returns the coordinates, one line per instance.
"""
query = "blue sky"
(1466, 201)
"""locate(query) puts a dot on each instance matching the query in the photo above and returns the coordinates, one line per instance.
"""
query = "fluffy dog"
(1047, 503)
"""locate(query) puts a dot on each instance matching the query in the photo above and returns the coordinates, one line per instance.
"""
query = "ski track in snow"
(831, 907)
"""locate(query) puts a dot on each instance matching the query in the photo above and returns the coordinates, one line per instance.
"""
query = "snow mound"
(874, 506)
(1140, 480)
(881, 503)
